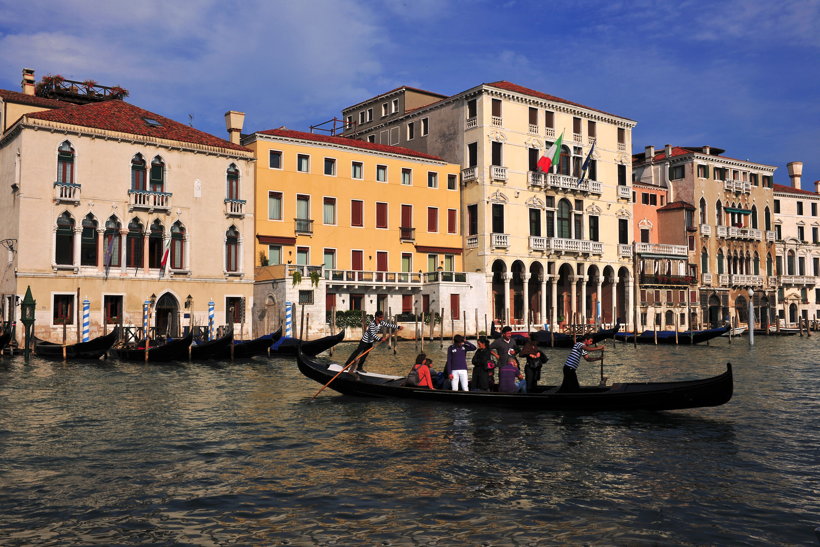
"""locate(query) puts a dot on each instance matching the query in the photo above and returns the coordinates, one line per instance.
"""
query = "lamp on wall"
(188, 301)
(153, 299)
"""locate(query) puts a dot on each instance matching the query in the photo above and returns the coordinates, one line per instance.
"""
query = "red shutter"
(407, 303)
(432, 219)
(406, 216)
(451, 221)
(357, 260)
(455, 307)
(356, 213)
(381, 215)
(381, 261)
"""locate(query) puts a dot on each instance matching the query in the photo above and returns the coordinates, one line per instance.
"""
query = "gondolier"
(369, 337)
(581, 349)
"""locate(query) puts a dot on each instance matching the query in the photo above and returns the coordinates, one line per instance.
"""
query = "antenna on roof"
(191, 120)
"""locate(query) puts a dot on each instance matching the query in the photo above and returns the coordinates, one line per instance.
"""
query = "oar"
(356, 360)
(603, 380)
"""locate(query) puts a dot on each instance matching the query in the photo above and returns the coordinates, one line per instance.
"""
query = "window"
(134, 244)
(814, 235)
(89, 248)
(719, 173)
(303, 163)
(381, 173)
(621, 135)
(329, 211)
(231, 249)
(800, 233)
(778, 235)
(497, 158)
(776, 206)
(535, 222)
(302, 256)
(425, 127)
(233, 309)
(472, 154)
(303, 220)
(274, 159)
(111, 243)
(452, 182)
(329, 259)
(369, 115)
(452, 221)
(432, 179)
(432, 219)
(472, 110)
(406, 176)
(533, 116)
(645, 198)
(593, 228)
(138, 173)
(591, 129)
(753, 179)
(533, 155)
(676, 172)
(800, 209)
(306, 297)
(814, 209)
(274, 205)
(432, 262)
(394, 106)
(498, 218)
(496, 108)
(356, 213)
(623, 231)
(232, 181)
(576, 125)
(549, 119)
(356, 260)
(703, 171)
(449, 263)
(274, 255)
(65, 163)
(550, 223)
(472, 220)
(156, 244)
(381, 215)
(330, 167)
(407, 262)
(411, 131)
(384, 110)
(622, 175)
(64, 240)
(157, 175)
(371, 138)
(356, 170)
(564, 219)
(63, 309)
(348, 122)
(177, 246)
(112, 304)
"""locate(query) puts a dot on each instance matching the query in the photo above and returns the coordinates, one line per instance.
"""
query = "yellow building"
(379, 226)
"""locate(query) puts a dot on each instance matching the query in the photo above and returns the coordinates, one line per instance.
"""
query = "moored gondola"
(5, 338)
(290, 346)
(212, 349)
(558, 339)
(668, 337)
(93, 349)
(706, 392)
(249, 348)
(175, 350)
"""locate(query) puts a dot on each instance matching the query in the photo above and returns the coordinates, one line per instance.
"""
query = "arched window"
(112, 243)
(790, 263)
(156, 244)
(756, 264)
(704, 261)
(703, 211)
(157, 175)
(769, 269)
(64, 240)
(754, 217)
(564, 161)
(767, 218)
(138, 173)
(718, 213)
(232, 250)
(65, 163)
(233, 182)
(177, 246)
(133, 250)
(564, 219)
(720, 262)
(89, 246)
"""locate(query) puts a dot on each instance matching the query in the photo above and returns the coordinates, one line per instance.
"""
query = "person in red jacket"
(422, 366)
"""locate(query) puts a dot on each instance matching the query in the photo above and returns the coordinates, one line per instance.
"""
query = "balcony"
(706, 279)
(497, 121)
(536, 179)
(723, 280)
(533, 129)
(303, 226)
(621, 147)
(442, 276)
(578, 246)
(152, 201)
(722, 231)
(549, 132)
(591, 140)
(577, 137)
(624, 250)
(472, 242)
(235, 207)
(744, 280)
(469, 175)
(567, 182)
(471, 123)
(662, 248)
(538, 243)
(745, 233)
(797, 280)
(498, 172)
(500, 241)
(772, 282)
(66, 192)
(771, 235)
(738, 186)
(346, 278)
(407, 234)
(624, 192)
(680, 280)
(706, 230)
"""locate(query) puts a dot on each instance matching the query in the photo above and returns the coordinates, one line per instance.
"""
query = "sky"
(741, 75)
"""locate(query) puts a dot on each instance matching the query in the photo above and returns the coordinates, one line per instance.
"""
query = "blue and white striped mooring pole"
(145, 306)
(289, 319)
(211, 320)
(86, 319)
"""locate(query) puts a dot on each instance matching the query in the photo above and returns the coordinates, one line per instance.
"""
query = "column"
(573, 299)
(78, 234)
(554, 297)
(542, 317)
(583, 310)
(629, 304)
(506, 277)
(526, 286)
(598, 300)
(614, 285)
(123, 250)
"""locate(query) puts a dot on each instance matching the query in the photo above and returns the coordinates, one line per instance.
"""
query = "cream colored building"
(730, 233)
(552, 248)
(92, 197)
(797, 244)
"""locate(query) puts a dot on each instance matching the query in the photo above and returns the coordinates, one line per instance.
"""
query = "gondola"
(290, 346)
(559, 339)
(5, 338)
(706, 392)
(93, 349)
(175, 350)
(249, 348)
(668, 336)
(212, 349)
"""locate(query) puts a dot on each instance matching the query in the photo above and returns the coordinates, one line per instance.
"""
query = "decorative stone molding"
(623, 213)
(498, 197)
(496, 136)
(535, 203)
(593, 210)
(645, 223)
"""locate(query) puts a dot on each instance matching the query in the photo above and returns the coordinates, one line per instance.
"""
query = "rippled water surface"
(121, 453)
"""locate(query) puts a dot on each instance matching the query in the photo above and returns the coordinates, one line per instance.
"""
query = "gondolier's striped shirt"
(575, 355)
(371, 334)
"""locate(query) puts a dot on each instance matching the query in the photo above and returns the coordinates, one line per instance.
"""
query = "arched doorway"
(607, 293)
(166, 316)
(499, 298)
(742, 309)
(566, 277)
(592, 306)
(535, 286)
(714, 311)
(517, 292)
(792, 313)
(621, 312)
(764, 313)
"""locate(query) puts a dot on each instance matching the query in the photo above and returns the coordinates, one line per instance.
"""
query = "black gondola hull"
(290, 346)
(176, 350)
(667, 337)
(249, 348)
(93, 349)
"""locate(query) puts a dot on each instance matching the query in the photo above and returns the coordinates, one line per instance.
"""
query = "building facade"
(729, 233)
(797, 244)
(553, 247)
(114, 208)
(348, 225)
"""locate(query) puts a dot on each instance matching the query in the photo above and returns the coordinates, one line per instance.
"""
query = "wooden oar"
(603, 380)
(356, 360)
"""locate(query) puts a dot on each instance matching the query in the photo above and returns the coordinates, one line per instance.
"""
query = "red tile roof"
(345, 141)
(660, 154)
(792, 190)
(508, 86)
(126, 118)
(33, 100)
(677, 205)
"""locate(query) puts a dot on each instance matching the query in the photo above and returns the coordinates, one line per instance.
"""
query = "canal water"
(215, 454)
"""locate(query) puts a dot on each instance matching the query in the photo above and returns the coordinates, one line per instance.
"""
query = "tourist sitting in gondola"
(581, 349)
(456, 367)
(483, 366)
(422, 376)
(535, 358)
(510, 378)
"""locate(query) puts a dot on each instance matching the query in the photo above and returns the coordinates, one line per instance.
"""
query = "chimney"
(795, 172)
(707, 150)
(233, 122)
(28, 81)
(817, 187)
(649, 153)
(668, 150)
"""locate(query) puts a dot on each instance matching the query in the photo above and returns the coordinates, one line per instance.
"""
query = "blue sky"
(742, 75)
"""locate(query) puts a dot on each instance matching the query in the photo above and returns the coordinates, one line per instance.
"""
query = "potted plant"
(263, 260)
(297, 277)
(314, 277)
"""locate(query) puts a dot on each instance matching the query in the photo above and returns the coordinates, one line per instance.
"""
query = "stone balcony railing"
(407, 233)
(662, 248)
(745, 233)
(797, 280)
(533, 129)
(579, 246)
(235, 207)
(738, 186)
(745, 280)
(705, 230)
(657, 279)
(498, 121)
(146, 199)
(500, 241)
(538, 243)
(303, 225)
(771, 235)
(578, 137)
(567, 182)
(624, 192)
(624, 250)
(549, 132)
(722, 231)
(723, 280)
(706, 279)
(471, 123)
(498, 172)
(469, 174)
(472, 242)
(67, 192)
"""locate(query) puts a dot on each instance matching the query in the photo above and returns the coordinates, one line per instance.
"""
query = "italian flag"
(552, 156)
